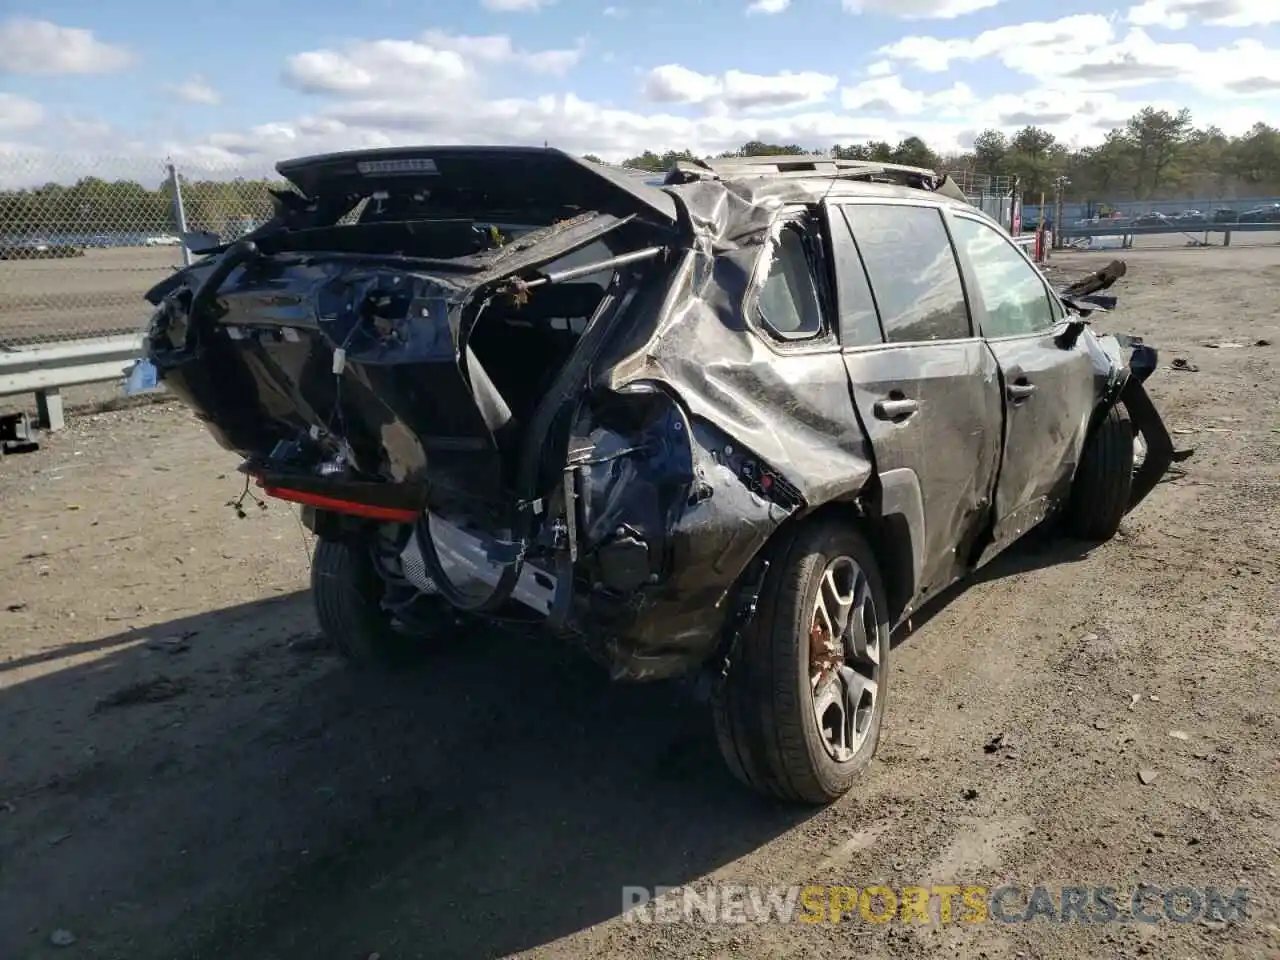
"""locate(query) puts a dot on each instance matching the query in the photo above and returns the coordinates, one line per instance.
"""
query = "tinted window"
(859, 325)
(1015, 297)
(913, 271)
(788, 299)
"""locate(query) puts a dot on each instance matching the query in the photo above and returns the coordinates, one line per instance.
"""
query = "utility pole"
(1015, 207)
(1060, 191)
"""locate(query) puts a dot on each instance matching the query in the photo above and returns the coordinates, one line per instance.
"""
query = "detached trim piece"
(1160, 452)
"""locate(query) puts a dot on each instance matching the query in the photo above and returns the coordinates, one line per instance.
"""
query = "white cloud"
(516, 6)
(890, 95)
(1178, 14)
(672, 83)
(768, 7)
(439, 60)
(1035, 43)
(195, 89)
(499, 48)
(919, 9)
(735, 89)
(366, 67)
(88, 132)
(753, 91)
(881, 68)
(17, 112)
(1083, 53)
(38, 46)
(614, 12)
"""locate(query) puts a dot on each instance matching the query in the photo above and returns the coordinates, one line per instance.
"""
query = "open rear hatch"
(390, 334)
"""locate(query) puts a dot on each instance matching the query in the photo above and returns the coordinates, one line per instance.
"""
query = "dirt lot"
(183, 774)
(97, 294)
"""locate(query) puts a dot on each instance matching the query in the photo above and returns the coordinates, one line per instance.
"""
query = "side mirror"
(201, 241)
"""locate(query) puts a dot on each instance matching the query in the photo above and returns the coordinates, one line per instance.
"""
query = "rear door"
(1048, 390)
(925, 386)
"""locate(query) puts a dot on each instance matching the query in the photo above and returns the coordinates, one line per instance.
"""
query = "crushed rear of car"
(510, 383)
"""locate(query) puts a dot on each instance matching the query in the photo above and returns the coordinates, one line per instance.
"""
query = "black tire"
(764, 708)
(1100, 492)
(347, 592)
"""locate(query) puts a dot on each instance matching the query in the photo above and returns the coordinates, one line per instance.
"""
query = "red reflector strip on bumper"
(367, 510)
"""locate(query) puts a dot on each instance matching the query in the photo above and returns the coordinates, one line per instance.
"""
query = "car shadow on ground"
(1038, 549)
(241, 793)
(215, 787)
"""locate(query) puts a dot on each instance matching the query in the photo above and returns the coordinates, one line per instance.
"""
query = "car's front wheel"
(1100, 493)
(798, 715)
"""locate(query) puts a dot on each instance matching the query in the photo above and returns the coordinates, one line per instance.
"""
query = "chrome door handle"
(1020, 390)
(897, 409)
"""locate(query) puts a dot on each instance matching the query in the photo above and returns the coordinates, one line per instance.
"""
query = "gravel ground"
(185, 773)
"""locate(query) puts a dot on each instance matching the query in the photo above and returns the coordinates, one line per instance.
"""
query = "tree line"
(1155, 155)
(95, 206)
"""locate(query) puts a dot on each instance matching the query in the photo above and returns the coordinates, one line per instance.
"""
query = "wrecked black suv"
(743, 422)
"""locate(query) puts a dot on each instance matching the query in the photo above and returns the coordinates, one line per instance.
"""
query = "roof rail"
(806, 166)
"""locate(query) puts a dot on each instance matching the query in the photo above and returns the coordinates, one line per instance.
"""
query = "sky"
(248, 82)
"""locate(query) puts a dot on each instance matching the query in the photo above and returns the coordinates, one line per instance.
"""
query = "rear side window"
(859, 325)
(787, 303)
(1015, 297)
(912, 270)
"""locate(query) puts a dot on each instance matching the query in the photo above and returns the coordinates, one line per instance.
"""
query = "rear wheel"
(348, 592)
(1100, 492)
(798, 716)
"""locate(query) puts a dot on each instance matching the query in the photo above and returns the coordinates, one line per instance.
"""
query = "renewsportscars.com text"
(968, 904)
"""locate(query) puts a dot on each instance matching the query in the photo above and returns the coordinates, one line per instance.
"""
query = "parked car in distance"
(1269, 213)
(162, 241)
(1226, 215)
(743, 424)
(38, 248)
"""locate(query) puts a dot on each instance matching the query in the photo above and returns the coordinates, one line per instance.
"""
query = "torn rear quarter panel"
(765, 430)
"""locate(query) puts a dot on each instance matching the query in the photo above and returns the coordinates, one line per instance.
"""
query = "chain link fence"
(82, 239)
(993, 195)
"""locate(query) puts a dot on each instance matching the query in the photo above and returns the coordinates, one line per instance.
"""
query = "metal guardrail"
(45, 369)
(1132, 230)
